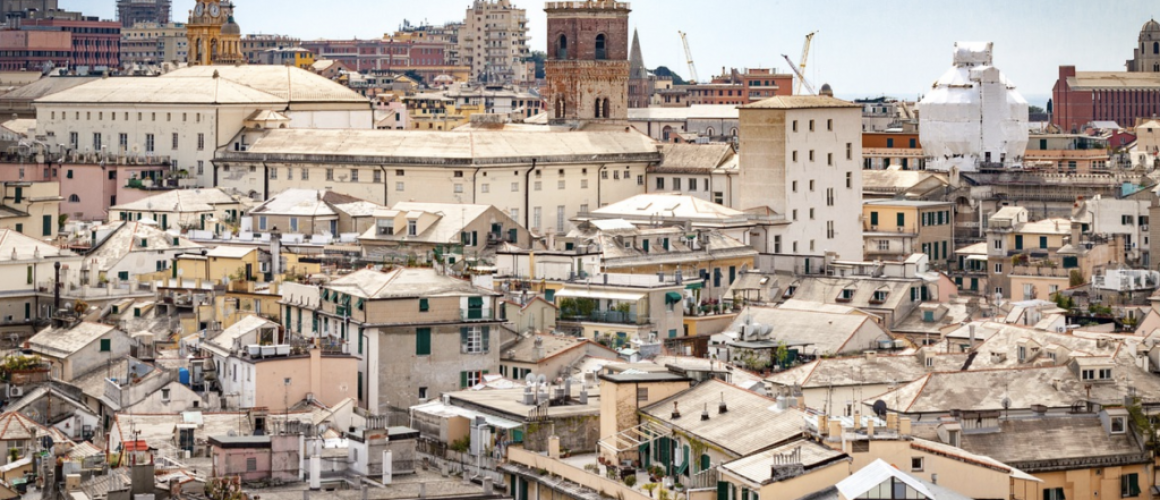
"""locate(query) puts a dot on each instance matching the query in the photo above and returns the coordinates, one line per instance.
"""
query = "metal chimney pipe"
(56, 288)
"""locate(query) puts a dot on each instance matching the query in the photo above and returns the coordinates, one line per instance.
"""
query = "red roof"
(139, 445)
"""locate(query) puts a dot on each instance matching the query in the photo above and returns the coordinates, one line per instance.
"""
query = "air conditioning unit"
(873, 228)
(15, 391)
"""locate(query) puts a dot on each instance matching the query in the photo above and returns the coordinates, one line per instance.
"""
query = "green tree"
(1033, 109)
(663, 71)
(538, 57)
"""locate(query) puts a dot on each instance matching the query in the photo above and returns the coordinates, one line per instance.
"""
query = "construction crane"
(805, 57)
(801, 77)
(689, 58)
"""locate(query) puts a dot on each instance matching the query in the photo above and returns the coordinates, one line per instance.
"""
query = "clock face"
(215, 10)
(200, 9)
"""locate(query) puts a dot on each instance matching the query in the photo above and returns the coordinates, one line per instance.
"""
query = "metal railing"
(476, 315)
(615, 317)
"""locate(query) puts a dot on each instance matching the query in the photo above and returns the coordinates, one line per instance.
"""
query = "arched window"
(1156, 68)
(562, 48)
(709, 132)
(668, 131)
(733, 132)
(560, 107)
(1156, 47)
(601, 49)
(606, 108)
(74, 199)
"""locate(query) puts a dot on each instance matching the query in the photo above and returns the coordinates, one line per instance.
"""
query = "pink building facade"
(89, 189)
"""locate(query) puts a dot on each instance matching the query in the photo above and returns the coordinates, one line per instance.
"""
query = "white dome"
(973, 115)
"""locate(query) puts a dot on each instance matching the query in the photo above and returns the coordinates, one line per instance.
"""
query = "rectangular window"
(201, 142)
(378, 176)
(354, 175)
(676, 183)
(560, 219)
(424, 306)
(1130, 485)
(1053, 494)
(175, 140)
(660, 183)
(642, 394)
(537, 212)
(106, 345)
(274, 173)
(97, 142)
(330, 174)
(148, 143)
(399, 187)
(692, 184)
(916, 464)
(423, 342)
(849, 151)
(123, 141)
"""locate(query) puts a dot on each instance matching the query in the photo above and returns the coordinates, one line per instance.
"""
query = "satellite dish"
(531, 379)
(542, 380)
(1006, 403)
(46, 442)
(880, 408)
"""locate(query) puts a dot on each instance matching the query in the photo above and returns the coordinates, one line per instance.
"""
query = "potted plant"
(650, 488)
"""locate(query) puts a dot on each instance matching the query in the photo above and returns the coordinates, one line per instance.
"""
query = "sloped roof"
(46, 87)
(15, 427)
(298, 202)
(1113, 80)
(700, 158)
(126, 239)
(63, 342)
(751, 423)
(155, 90)
(756, 467)
(404, 283)
(857, 370)
(243, 327)
(452, 219)
(16, 246)
(289, 83)
(828, 333)
(672, 205)
(387, 146)
(181, 201)
(801, 102)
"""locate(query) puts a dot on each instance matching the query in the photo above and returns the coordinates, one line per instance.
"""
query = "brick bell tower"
(587, 69)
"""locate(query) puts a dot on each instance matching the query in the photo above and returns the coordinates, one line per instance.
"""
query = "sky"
(862, 49)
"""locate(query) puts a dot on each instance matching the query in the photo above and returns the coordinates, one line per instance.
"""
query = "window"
(849, 151)
(123, 141)
(692, 184)
(304, 173)
(274, 173)
(538, 185)
(251, 464)
(412, 228)
(262, 223)
(642, 394)
(1130, 485)
(998, 268)
(916, 464)
(473, 340)
(73, 198)
(399, 187)
(795, 125)
(676, 183)
(378, 176)
(106, 345)
(97, 142)
(794, 186)
(849, 180)
(201, 142)
(660, 183)
(883, 245)
(354, 175)
(1119, 425)
(794, 155)
(560, 219)
(811, 185)
(829, 197)
(330, 174)
(537, 212)
(811, 155)
(1053, 494)
(423, 341)
(830, 125)
(175, 140)
(149, 143)
(811, 125)
(830, 159)
(470, 379)
(601, 48)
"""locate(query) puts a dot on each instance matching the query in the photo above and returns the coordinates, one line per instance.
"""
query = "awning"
(580, 293)
(695, 286)
(977, 257)
(673, 297)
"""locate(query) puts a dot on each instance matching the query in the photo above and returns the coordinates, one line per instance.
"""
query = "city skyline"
(1029, 52)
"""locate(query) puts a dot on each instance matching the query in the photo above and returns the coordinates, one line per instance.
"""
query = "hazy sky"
(864, 48)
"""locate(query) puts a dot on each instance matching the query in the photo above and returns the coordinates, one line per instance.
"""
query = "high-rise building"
(94, 45)
(1147, 57)
(152, 43)
(494, 42)
(587, 67)
(132, 12)
(214, 36)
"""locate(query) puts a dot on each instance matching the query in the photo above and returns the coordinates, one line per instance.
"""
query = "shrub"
(630, 481)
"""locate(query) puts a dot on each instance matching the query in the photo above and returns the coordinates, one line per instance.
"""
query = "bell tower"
(587, 69)
(214, 37)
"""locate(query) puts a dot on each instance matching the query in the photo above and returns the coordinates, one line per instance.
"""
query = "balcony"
(476, 315)
(1041, 271)
(610, 317)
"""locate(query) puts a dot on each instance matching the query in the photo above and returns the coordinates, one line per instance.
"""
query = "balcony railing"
(613, 317)
(476, 315)
(1041, 271)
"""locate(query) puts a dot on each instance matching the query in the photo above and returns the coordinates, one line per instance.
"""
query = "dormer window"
(1096, 375)
(1119, 425)
(880, 297)
(412, 228)
(790, 291)
(846, 295)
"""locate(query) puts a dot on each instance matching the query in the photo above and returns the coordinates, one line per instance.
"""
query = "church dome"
(231, 28)
(1151, 27)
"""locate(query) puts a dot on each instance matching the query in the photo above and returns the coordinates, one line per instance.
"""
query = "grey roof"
(154, 90)
(63, 342)
(801, 102)
(672, 205)
(453, 217)
(45, 87)
(617, 256)
(908, 203)
(830, 333)
(180, 200)
(752, 422)
(1033, 444)
(404, 283)
(694, 158)
(826, 290)
(756, 468)
(703, 111)
(289, 83)
(413, 147)
(126, 239)
(857, 370)
(524, 349)
(297, 202)
(243, 327)
(15, 246)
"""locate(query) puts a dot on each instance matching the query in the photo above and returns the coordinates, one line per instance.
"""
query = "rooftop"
(705, 111)
(757, 467)
(155, 90)
(849, 371)
(129, 237)
(752, 423)
(288, 83)
(404, 283)
(1113, 80)
(802, 102)
(1033, 444)
(449, 148)
(669, 205)
(524, 349)
(827, 332)
(62, 342)
(180, 201)
(15, 246)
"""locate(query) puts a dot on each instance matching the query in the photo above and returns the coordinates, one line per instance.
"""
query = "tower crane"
(801, 77)
(805, 57)
(689, 57)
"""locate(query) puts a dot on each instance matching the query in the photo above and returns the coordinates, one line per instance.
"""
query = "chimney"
(870, 428)
(55, 289)
(871, 356)
(275, 252)
(705, 413)
(857, 421)
(904, 426)
(676, 411)
(538, 349)
(835, 429)
(971, 327)
(892, 421)
(823, 425)
(722, 407)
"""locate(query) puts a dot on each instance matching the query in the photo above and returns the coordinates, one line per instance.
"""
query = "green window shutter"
(462, 380)
(123, 275)
(360, 304)
(550, 295)
(20, 228)
(744, 494)
(424, 306)
(27, 310)
(464, 238)
(474, 238)
(514, 236)
(47, 221)
(423, 342)
(706, 464)
(487, 339)
(1042, 242)
(360, 385)
(643, 245)
(1019, 242)
(19, 194)
(463, 336)
(873, 218)
(68, 174)
(165, 224)
(30, 275)
(360, 341)
(901, 220)
(722, 490)
(106, 345)
(314, 323)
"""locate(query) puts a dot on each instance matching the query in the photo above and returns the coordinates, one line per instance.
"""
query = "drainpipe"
(265, 180)
(386, 186)
(474, 185)
(528, 196)
(600, 185)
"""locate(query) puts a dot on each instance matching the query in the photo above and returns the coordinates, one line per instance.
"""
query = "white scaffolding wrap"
(973, 116)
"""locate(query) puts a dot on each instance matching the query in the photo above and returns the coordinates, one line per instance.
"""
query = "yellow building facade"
(214, 36)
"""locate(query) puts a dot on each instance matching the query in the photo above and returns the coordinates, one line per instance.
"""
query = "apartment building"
(494, 43)
(895, 229)
(801, 158)
(152, 43)
(418, 334)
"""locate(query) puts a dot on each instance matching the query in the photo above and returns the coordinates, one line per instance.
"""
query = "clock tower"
(214, 37)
